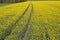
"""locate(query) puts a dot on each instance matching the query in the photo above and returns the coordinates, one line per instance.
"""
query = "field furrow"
(10, 21)
(28, 22)
(19, 32)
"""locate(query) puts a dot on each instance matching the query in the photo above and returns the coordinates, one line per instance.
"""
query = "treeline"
(15, 1)
(11, 1)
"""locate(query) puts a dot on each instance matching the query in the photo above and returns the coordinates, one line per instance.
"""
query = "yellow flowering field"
(34, 20)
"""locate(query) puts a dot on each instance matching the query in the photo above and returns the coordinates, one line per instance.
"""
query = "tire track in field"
(9, 29)
(21, 34)
(27, 25)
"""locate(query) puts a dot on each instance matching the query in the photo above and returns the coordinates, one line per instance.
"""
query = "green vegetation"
(2, 4)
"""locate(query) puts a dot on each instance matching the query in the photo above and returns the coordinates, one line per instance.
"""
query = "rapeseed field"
(34, 20)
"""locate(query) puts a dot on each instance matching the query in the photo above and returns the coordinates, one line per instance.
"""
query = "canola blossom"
(36, 20)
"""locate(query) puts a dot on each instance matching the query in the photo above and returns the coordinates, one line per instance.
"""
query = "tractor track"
(27, 25)
(23, 35)
(7, 32)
